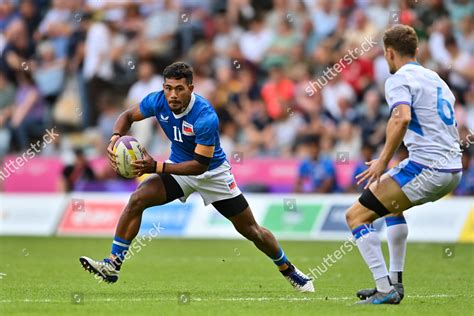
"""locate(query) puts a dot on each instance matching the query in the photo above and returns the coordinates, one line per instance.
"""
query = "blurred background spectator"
(316, 173)
(289, 79)
(78, 170)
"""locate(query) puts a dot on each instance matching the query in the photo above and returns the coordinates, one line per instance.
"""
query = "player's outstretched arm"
(121, 127)
(396, 129)
(197, 166)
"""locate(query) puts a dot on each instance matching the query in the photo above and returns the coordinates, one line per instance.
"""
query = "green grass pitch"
(43, 276)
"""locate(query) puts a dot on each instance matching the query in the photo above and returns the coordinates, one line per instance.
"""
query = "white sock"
(370, 248)
(397, 233)
(383, 284)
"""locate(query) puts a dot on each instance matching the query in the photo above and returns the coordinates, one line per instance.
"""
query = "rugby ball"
(127, 149)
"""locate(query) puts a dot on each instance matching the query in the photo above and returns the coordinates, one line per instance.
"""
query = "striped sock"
(280, 259)
(120, 247)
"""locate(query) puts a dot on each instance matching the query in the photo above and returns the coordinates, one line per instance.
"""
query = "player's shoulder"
(397, 79)
(410, 77)
(154, 98)
(152, 103)
(202, 104)
(204, 111)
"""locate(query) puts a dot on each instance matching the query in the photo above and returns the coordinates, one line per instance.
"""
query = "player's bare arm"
(197, 166)
(121, 127)
(396, 129)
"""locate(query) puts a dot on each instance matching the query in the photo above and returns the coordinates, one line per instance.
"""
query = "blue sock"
(362, 230)
(280, 259)
(120, 247)
(395, 220)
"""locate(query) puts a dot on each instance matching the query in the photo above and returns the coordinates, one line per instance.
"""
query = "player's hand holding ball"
(111, 150)
(145, 165)
(130, 159)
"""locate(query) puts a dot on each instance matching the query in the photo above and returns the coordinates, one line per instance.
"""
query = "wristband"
(118, 134)
(159, 167)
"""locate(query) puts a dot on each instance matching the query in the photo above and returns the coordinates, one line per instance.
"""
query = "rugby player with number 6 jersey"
(422, 115)
(197, 164)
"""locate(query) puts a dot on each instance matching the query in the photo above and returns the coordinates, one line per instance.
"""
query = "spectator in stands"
(315, 174)
(359, 73)
(255, 41)
(97, 66)
(132, 23)
(367, 152)
(28, 112)
(325, 18)
(7, 14)
(465, 36)
(79, 170)
(158, 38)
(225, 40)
(50, 72)
(466, 136)
(57, 26)
(466, 186)
(281, 46)
(7, 98)
(371, 118)
(379, 14)
(461, 66)
(348, 140)
(278, 92)
(18, 52)
(338, 92)
(148, 82)
(29, 12)
(432, 11)
(469, 115)
(442, 29)
(360, 29)
(110, 108)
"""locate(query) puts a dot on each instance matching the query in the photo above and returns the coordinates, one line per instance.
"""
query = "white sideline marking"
(230, 299)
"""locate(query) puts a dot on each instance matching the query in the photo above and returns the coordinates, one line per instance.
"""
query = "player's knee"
(351, 217)
(356, 216)
(136, 203)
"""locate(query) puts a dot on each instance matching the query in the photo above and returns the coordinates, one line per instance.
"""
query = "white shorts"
(423, 184)
(213, 185)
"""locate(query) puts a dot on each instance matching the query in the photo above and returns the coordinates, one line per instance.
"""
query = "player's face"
(177, 93)
(389, 57)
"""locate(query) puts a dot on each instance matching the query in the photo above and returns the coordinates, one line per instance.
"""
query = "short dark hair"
(402, 38)
(179, 70)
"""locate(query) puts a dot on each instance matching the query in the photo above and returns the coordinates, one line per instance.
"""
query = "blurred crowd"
(77, 64)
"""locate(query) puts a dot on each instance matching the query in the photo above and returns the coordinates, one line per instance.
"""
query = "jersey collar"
(188, 109)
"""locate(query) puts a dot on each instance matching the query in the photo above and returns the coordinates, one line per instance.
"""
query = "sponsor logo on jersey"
(188, 129)
(164, 118)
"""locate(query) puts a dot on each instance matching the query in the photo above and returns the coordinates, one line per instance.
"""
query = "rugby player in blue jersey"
(197, 164)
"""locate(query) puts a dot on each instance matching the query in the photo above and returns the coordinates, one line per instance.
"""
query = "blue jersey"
(315, 172)
(198, 124)
(359, 168)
